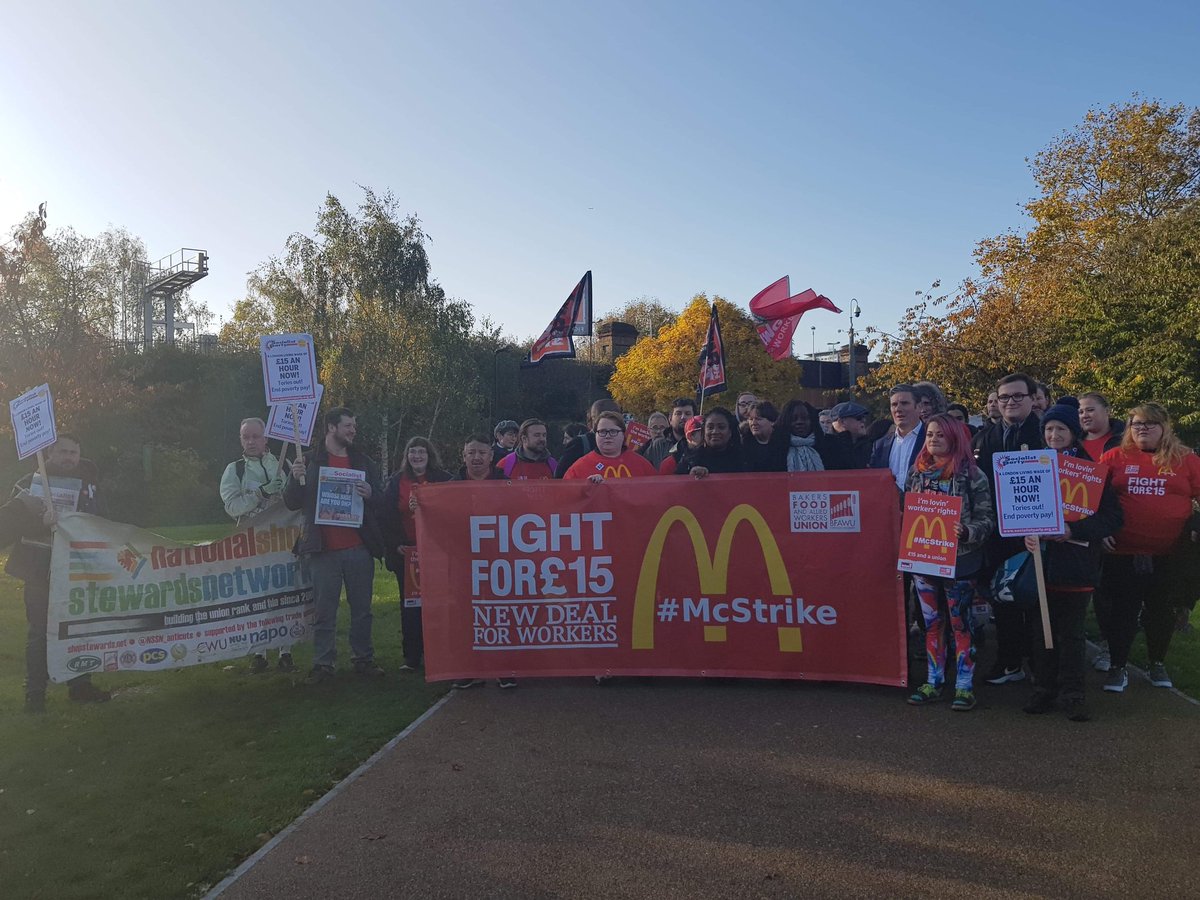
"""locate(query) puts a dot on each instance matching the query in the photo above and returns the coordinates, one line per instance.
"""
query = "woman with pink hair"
(946, 465)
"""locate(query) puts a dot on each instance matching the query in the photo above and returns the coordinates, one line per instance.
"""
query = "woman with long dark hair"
(946, 465)
(419, 464)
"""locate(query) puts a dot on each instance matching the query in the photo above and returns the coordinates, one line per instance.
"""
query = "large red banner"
(756, 576)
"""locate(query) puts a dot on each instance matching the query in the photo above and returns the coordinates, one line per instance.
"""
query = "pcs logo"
(153, 656)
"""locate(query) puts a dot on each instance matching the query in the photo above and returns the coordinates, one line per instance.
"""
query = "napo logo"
(83, 663)
(153, 656)
(297, 630)
(836, 511)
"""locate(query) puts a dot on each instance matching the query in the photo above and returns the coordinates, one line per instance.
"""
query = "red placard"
(637, 436)
(735, 575)
(929, 534)
(412, 577)
(1082, 484)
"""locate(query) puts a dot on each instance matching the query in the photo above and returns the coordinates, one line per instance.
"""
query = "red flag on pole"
(574, 319)
(777, 313)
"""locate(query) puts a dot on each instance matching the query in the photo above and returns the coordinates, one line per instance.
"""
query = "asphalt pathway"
(677, 789)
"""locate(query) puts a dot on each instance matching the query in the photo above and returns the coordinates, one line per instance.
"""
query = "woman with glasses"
(1156, 478)
(610, 459)
(945, 465)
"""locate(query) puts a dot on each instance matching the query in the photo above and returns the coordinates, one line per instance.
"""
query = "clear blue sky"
(672, 148)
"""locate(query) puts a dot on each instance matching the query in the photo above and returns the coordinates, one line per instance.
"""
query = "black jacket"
(1072, 565)
(716, 461)
(1028, 437)
(575, 451)
(853, 453)
(391, 520)
(30, 559)
(304, 497)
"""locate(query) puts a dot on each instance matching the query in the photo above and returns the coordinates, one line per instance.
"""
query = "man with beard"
(531, 461)
(850, 434)
(339, 555)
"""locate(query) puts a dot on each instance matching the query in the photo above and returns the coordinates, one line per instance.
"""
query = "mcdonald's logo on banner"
(621, 471)
(928, 525)
(713, 569)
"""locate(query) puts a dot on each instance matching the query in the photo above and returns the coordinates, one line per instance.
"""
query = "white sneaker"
(1102, 662)
(1117, 680)
(1158, 675)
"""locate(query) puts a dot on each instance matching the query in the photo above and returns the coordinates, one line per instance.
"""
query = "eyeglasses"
(1011, 398)
(1144, 426)
(608, 432)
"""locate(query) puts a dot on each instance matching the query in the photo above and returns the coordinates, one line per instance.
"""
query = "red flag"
(574, 319)
(712, 359)
(777, 313)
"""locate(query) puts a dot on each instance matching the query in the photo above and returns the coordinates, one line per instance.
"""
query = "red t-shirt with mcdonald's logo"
(1155, 500)
(629, 464)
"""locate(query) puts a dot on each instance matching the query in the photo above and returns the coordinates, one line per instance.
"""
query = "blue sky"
(672, 148)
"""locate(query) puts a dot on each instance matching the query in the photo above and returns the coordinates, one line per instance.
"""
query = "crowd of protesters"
(1131, 559)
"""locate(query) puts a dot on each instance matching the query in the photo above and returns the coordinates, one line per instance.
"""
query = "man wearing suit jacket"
(898, 449)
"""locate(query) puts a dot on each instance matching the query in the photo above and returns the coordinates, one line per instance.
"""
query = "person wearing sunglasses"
(610, 459)
(1157, 478)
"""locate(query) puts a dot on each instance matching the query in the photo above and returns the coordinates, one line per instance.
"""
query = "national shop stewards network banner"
(122, 598)
(764, 576)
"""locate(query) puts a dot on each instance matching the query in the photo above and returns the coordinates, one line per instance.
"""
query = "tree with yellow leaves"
(659, 369)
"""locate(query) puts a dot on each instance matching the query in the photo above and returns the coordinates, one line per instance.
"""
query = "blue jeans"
(355, 568)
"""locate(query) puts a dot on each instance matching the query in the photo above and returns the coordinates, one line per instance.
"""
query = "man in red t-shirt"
(339, 554)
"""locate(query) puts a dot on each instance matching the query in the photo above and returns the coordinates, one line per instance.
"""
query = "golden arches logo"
(1071, 492)
(621, 471)
(713, 570)
(928, 525)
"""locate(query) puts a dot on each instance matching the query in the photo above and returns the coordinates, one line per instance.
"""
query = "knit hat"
(1065, 413)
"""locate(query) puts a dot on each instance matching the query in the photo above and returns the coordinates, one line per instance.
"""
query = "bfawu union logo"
(836, 511)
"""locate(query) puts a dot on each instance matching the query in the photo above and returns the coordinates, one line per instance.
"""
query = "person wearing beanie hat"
(1072, 564)
(1066, 414)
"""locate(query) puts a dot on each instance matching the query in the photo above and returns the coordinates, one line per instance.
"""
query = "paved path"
(682, 789)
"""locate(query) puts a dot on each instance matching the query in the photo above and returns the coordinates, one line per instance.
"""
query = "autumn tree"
(1123, 170)
(657, 370)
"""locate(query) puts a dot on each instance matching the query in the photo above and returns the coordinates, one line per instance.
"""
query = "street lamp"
(855, 312)
(503, 348)
(814, 337)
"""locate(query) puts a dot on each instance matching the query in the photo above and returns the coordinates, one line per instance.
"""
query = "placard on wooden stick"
(1029, 502)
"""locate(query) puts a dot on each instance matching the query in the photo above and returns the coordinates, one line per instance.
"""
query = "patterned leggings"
(958, 598)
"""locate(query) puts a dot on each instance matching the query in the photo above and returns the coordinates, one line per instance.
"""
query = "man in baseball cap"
(850, 433)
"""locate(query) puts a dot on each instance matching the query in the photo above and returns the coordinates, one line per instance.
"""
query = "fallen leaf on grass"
(457, 767)
(373, 837)
(302, 860)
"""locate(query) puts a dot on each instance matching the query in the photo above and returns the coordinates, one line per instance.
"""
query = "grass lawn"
(164, 790)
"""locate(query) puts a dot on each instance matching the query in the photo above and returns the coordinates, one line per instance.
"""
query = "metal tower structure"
(165, 280)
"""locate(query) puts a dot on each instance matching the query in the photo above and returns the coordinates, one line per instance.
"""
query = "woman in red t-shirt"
(1156, 478)
(610, 459)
